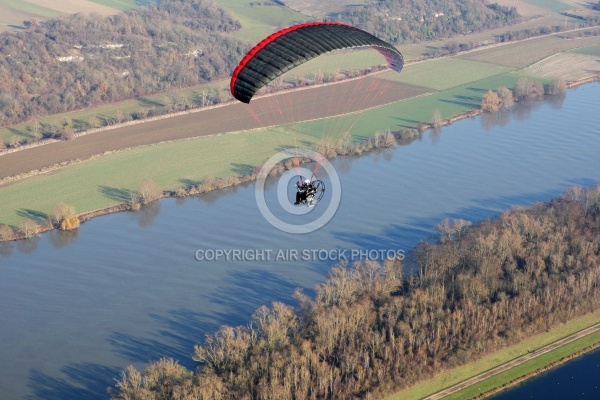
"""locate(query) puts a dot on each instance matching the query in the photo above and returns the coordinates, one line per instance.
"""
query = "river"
(128, 288)
(576, 379)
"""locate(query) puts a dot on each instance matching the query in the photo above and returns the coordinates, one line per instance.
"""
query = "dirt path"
(514, 363)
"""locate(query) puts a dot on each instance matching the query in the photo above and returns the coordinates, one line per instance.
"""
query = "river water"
(128, 288)
(577, 379)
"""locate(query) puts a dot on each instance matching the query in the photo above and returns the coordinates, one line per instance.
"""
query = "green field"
(593, 50)
(30, 8)
(527, 367)
(408, 113)
(456, 375)
(554, 5)
(455, 85)
(446, 73)
(259, 21)
(123, 5)
(101, 182)
(522, 54)
(172, 164)
(110, 111)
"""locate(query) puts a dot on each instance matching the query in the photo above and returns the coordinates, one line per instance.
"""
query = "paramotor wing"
(290, 47)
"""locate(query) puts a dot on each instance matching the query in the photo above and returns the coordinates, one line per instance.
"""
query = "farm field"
(12, 16)
(106, 180)
(318, 8)
(593, 50)
(89, 176)
(446, 73)
(228, 118)
(449, 85)
(527, 52)
(408, 113)
(340, 61)
(14, 12)
(403, 107)
(568, 65)
(258, 20)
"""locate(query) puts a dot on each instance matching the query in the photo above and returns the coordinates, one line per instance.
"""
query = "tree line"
(373, 328)
(400, 21)
(79, 61)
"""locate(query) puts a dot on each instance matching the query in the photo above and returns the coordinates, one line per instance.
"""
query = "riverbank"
(448, 381)
(140, 294)
(452, 85)
(525, 367)
(403, 136)
(417, 325)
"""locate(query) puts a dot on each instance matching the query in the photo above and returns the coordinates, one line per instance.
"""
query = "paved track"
(513, 363)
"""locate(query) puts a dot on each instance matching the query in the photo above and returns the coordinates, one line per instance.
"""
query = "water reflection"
(29, 245)
(556, 102)
(495, 119)
(6, 249)
(146, 214)
(61, 239)
(435, 135)
(524, 109)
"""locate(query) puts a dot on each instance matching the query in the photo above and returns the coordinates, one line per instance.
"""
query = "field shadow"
(477, 90)
(37, 216)
(22, 133)
(144, 102)
(118, 194)
(464, 101)
(188, 183)
(407, 123)
(80, 125)
(83, 381)
(242, 169)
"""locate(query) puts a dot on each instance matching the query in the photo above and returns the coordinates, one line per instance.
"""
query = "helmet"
(307, 181)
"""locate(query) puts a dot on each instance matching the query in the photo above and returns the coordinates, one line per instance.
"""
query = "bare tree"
(60, 212)
(526, 89)
(506, 97)
(28, 227)
(451, 229)
(149, 191)
(6, 233)
(436, 119)
(557, 87)
(490, 101)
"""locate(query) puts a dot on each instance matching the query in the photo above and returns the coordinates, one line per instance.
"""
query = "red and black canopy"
(290, 47)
